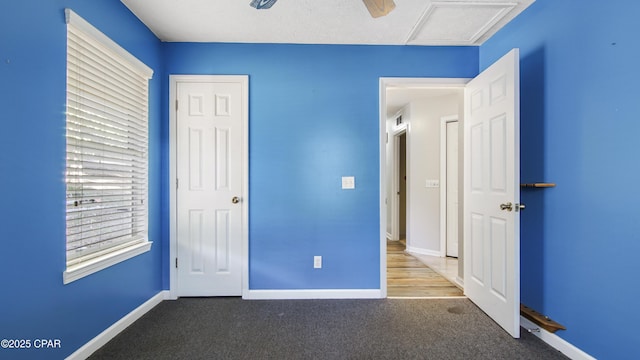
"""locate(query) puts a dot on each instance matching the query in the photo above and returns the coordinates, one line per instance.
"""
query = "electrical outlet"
(317, 262)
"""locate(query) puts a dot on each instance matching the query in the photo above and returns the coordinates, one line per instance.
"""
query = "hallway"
(408, 277)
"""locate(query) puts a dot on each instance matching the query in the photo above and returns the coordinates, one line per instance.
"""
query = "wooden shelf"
(544, 321)
(538, 185)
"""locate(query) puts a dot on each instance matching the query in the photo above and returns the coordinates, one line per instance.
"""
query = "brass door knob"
(235, 200)
(508, 206)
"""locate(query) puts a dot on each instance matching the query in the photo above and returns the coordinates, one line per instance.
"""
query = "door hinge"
(176, 263)
(176, 105)
(177, 183)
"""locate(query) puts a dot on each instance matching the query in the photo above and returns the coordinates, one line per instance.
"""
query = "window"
(107, 144)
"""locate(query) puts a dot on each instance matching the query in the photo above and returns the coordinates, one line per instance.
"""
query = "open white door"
(492, 192)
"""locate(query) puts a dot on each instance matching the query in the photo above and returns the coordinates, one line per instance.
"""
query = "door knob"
(508, 206)
(235, 199)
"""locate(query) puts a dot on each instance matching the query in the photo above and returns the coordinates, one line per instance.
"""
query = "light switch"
(348, 182)
(431, 183)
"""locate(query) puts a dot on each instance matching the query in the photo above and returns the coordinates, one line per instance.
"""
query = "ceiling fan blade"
(378, 8)
(262, 4)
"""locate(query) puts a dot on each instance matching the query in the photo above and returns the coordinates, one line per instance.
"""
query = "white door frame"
(385, 83)
(173, 240)
(443, 181)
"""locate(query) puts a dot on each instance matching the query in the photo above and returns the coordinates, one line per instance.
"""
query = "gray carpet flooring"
(230, 328)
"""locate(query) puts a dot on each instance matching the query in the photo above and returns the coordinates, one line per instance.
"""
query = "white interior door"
(210, 128)
(492, 192)
(452, 187)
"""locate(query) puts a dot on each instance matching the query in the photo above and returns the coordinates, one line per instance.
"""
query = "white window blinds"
(107, 145)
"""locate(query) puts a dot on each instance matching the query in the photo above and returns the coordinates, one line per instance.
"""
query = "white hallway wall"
(423, 117)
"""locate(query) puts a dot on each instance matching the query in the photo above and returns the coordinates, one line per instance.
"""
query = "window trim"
(74, 19)
(126, 251)
(89, 267)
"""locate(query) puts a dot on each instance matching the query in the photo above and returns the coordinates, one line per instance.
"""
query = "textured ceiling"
(412, 22)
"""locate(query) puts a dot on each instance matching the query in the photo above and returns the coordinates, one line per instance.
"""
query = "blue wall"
(580, 105)
(34, 302)
(313, 119)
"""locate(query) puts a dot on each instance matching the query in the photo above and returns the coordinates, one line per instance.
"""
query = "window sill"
(87, 268)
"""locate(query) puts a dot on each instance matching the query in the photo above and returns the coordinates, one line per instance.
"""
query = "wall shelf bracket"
(537, 318)
(538, 185)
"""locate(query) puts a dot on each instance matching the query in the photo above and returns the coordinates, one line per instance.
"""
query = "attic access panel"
(464, 23)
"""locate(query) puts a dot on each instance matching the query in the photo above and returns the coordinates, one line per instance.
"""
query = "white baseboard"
(312, 294)
(104, 337)
(556, 341)
(423, 251)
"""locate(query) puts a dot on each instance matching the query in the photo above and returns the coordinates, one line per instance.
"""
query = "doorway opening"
(413, 177)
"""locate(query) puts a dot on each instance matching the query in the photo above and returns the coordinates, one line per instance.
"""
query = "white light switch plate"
(432, 183)
(348, 182)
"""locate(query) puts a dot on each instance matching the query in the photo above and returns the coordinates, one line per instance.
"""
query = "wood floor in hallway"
(408, 277)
